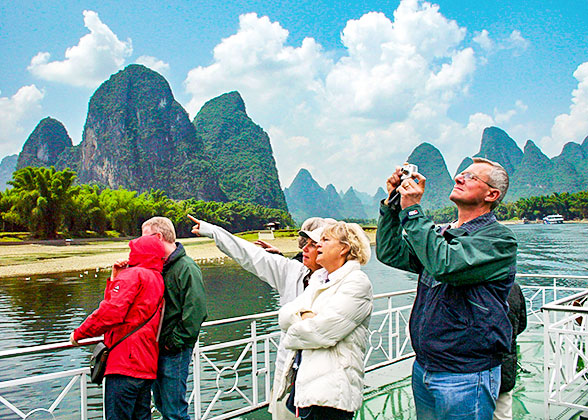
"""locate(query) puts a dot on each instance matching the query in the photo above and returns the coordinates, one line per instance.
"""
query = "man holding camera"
(459, 326)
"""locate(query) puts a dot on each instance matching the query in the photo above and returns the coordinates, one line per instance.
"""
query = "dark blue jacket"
(459, 319)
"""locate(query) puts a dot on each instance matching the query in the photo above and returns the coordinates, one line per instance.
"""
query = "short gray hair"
(164, 226)
(353, 235)
(497, 177)
(311, 224)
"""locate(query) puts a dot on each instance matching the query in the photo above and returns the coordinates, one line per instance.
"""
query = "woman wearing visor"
(326, 328)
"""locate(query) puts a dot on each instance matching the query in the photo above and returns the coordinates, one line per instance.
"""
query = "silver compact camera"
(408, 170)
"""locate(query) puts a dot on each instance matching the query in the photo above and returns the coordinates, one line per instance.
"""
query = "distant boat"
(553, 219)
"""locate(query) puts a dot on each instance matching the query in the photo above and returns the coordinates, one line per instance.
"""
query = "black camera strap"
(394, 197)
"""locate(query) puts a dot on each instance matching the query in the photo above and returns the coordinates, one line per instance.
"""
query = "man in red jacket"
(133, 295)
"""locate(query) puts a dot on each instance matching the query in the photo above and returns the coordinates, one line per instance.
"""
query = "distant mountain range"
(137, 136)
(7, 167)
(531, 174)
(306, 198)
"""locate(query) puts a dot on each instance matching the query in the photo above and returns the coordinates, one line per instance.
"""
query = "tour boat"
(553, 219)
(233, 378)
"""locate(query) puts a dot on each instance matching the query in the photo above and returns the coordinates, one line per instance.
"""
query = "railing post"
(196, 374)
(546, 370)
(83, 397)
(268, 368)
(561, 353)
(255, 382)
(393, 323)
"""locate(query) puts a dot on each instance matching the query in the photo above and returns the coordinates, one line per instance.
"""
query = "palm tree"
(43, 195)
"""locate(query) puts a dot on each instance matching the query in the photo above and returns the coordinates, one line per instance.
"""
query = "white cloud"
(453, 75)
(298, 141)
(419, 25)
(256, 62)
(153, 63)
(515, 43)
(521, 106)
(97, 55)
(572, 126)
(18, 114)
(354, 118)
(483, 39)
(506, 116)
(392, 66)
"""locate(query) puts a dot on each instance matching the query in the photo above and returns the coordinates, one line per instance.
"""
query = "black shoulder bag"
(299, 412)
(101, 352)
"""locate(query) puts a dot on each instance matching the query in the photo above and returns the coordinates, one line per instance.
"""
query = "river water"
(43, 310)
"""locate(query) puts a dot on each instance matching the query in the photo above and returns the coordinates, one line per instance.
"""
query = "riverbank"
(39, 259)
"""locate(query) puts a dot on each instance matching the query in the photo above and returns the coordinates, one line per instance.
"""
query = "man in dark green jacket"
(459, 326)
(185, 310)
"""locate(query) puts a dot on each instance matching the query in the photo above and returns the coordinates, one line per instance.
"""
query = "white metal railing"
(538, 296)
(234, 377)
(75, 376)
(243, 382)
(566, 353)
(229, 386)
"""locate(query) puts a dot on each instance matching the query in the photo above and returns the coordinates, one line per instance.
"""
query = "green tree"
(579, 204)
(85, 212)
(44, 193)
(10, 220)
(125, 211)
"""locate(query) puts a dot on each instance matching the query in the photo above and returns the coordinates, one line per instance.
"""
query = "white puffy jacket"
(333, 342)
(281, 273)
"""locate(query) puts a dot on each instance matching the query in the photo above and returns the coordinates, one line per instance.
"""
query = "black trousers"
(329, 413)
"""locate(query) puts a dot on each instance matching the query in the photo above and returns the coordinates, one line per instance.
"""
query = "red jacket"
(130, 299)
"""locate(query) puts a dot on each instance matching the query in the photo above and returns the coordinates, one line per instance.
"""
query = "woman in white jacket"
(287, 276)
(328, 323)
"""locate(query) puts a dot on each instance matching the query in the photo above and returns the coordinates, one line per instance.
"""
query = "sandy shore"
(31, 260)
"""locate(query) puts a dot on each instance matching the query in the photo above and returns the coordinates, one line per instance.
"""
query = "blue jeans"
(127, 398)
(169, 389)
(455, 396)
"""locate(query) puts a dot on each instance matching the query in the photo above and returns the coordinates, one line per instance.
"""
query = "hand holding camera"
(405, 187)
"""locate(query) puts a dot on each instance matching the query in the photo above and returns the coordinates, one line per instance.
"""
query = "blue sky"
(345, 89)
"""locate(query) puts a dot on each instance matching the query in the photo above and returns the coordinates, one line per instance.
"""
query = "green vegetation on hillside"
(570, 206)
(43, 147)
(241, 152)
(44, 201)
